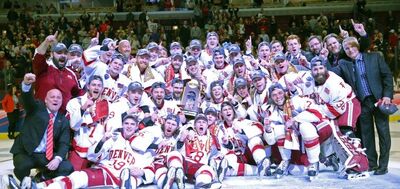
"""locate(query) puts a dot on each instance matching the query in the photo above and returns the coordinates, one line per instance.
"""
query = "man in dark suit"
(45, 137)
(371, 79)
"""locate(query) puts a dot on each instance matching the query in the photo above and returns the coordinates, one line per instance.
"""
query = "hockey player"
(118, 164)
(287, 121)
(115, 83)
(135, 103)
(197, 146)
(335, 98)
(261, 84)
(241, 140)
(87, 115)
(142, 72)
(160, 108)
(206, 56)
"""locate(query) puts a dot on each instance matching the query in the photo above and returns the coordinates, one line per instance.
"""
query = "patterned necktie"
(49, 138)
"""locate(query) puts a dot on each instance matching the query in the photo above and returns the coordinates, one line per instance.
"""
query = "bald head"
(53, 100)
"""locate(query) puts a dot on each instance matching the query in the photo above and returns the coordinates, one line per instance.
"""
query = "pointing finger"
(340, 28)
(97, 35)
(352, 22)
(55, 34)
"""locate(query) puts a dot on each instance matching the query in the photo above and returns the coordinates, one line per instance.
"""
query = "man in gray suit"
(372, 80)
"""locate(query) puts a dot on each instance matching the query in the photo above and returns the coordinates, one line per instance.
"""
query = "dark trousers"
(366, 131)
(12, 121)
(23, 164)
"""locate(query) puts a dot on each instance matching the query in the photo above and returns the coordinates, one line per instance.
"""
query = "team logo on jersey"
(309, 78)
(326, 90)
(106, 76)
(308, 84)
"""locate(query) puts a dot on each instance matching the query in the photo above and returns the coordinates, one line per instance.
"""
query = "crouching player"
(197, 146)
(288, 121)
(241, 141)
(117, 163)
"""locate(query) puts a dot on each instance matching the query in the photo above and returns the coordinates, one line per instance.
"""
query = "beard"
(320, 78)
(60, 63)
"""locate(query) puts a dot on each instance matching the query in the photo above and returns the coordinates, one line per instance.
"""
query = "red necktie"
(49, 138)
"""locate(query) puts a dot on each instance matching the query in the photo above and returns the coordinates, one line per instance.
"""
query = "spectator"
(195, 31)
(10, 105)
(12, 15)
(184, 33)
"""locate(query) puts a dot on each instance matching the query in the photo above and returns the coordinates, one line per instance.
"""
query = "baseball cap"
(234, 48)
(257, 74)
(143, 52)
(240, 81)
(274, 86)
(134, 86)
(200, 116)
(264, 43)
(190, 59)
(218, 51)
(173, 117)
(211, 110)
(238, 60)
(195, 43)
(217, 83)
(213, 33)
(279, 56)
(152, 45)
(175, 44)
(177, 55)
(317, 61)
(75, 48)
(158, 85)
(59, 47)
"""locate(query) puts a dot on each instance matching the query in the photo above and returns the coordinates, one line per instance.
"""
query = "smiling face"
(201, 126)
(259, 84)
(276, 47)
(242, 91)
(217, 93)
(219, 60)
(124, 48)
(333, 45)
(177, 62)
(319, 74)
(278, 97)
(53, 100)
(129, 127)
(95, 88)
(143, 62)
(351, 49)
(170, 126)
(116, 67)
(315, 45)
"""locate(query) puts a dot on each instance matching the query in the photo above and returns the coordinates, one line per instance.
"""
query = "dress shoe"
(381, 171)
(372, 169)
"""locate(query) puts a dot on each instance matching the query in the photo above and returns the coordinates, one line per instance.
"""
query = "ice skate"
(221, 169)
(125, 179)
(180, 178)
(263, 167)
(312, 171)
(169, 179)
(212, 185)
(8, 181)
(357, 176)
(282, 169)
